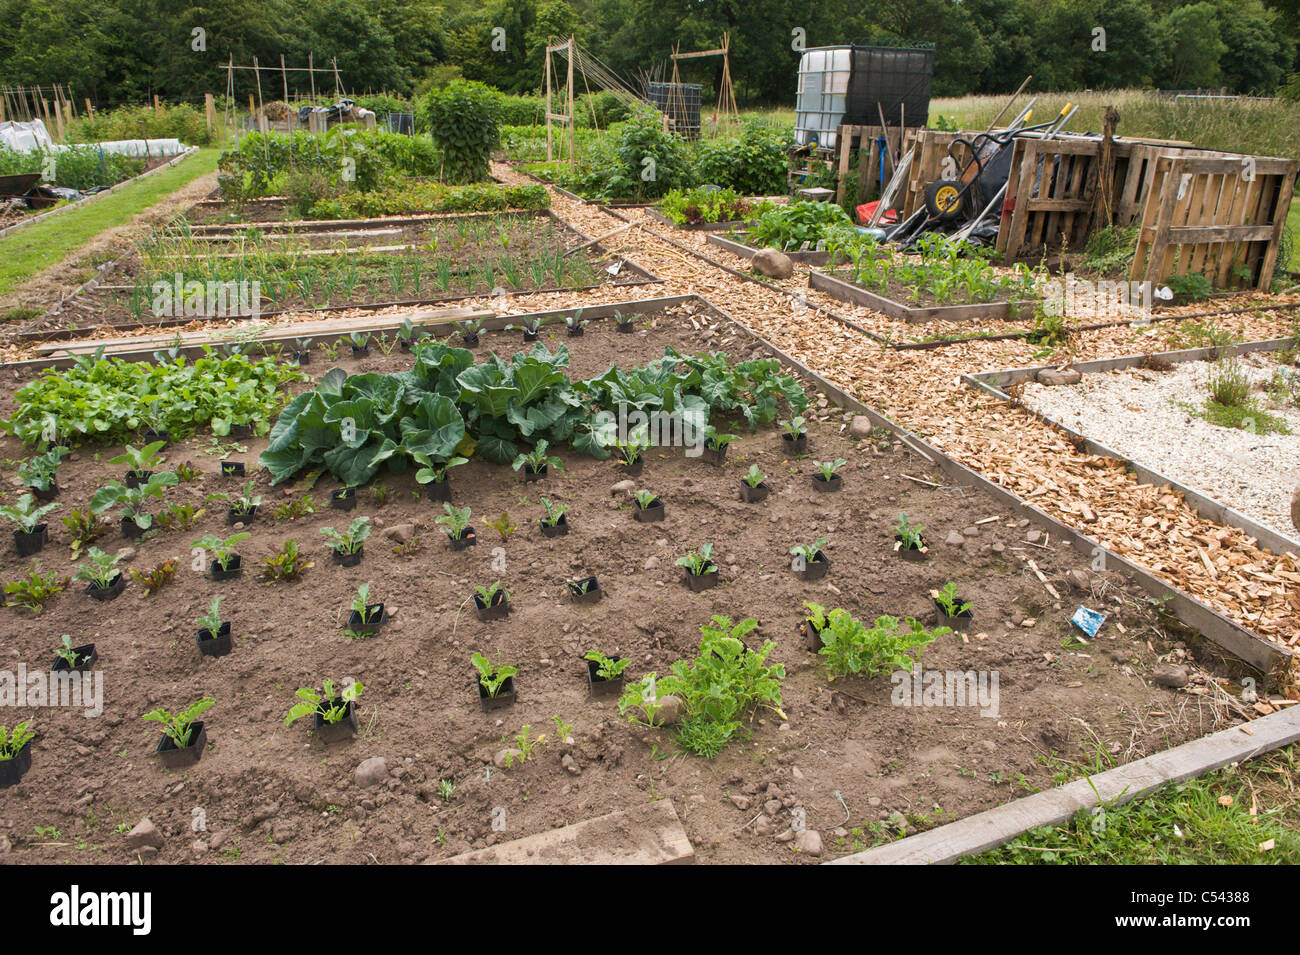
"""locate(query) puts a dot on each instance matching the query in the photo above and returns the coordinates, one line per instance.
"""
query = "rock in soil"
(773, 264)
(861, 426)
(372, 772)
(1170, 675)
(809, 842)
(1295, 508)
(144, 834)
(670, 711)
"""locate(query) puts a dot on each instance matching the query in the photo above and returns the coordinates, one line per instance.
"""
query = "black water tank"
(897, 78)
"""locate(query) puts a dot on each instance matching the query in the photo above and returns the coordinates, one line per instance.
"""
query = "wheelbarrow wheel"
(943, 200)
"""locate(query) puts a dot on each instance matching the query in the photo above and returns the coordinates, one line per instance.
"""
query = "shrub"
(599, 110)
(75, 167)
(464, 121)
(753, 165)
(522, 110)
(305, 189)
(649, 160)
(181, 121)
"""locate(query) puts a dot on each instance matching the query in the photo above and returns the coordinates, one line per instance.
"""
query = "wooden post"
(1103, 205)
(90, 110)
(157, 106)
(284, 75)
(548, 103)
(570, 110)
(210, 110)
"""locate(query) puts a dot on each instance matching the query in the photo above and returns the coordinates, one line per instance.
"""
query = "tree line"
(130, 50)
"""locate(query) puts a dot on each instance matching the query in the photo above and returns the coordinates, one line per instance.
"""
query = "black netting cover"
(895, 77)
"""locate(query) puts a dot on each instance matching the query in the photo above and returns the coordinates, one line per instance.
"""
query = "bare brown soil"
(842, 754)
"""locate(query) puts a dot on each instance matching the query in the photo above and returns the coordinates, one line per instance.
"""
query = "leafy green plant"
(180, 515)
(350, 541)
(698, 563)
(25, 513)
(576, 321)
(795, 426)
(141, 460)
(67, 654)
(492, 677)
(949, 601)
(537, 458)
(910, 536)
(435, 471)
(178, 726)
(455, 521)
(807, 553)
(553, 512)
(99, 569)
(13, 741)
(789, 227)
(1193, 287)
(606, 668)
(330, 707)
(718, 689)
(132, 499)
(717, 440)
(211, 619)
(487, 596)
(361, 604)
(463, 119)
(187, 472)
(828, 468)
(35, 590)
(645, 499)
(754, 477)
(284, 563)
(532, 325)
(851, 649)
(39, 470)
(630, 450)
(242, 502)
(223, 550)
(292, 510)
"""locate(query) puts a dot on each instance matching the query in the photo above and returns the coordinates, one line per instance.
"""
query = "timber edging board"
(739, 248)
(854, 294)
(662, 219)
(994, 827)
(992, 382)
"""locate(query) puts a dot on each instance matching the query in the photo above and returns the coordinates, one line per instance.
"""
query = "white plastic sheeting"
(25, 137)
(28, 137)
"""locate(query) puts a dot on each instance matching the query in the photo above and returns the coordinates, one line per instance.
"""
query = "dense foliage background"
(125, 50)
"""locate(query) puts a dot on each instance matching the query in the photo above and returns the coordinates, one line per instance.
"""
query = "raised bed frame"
(857, 295)
(735, 247)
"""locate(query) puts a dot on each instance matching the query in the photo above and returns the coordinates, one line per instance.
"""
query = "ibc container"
(824, 74)
(844, 84)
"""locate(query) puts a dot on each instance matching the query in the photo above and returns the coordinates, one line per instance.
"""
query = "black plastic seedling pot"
(625, 328)
(558, 529)
(634, 469)
(530, 336)
(816, 568)
(176, 758)
(646, 515)
(591, 595)
(598, 687)
(111, 591)
(232, 469)
(714, 455)
(576, 331)
(235, 516)
(360, 352)
(302, 358)
(28, 544)
(752, 495)
(150, 436)
(347, 560)
(959, 622)
(467, 539)
(375, 618)
(217, 645)
(499, 610)
(240, 431)
(234, 568)
(471, 341)
(911, 553)
(822, 484)
(345, 728)
(530, 475)
(812, 636)
(345, 498)
(505, 696)
(86, 657)
(13, 770)
(797, 445)
(45, 494)
(137, 478)
(130, 529)
(438, 490)
(705, 581)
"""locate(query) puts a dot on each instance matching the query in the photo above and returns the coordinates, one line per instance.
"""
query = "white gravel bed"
(1136, 413)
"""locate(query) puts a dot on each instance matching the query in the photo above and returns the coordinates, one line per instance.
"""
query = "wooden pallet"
(867, 139)
(1050, 193)
(1221, 216)
(931, 150)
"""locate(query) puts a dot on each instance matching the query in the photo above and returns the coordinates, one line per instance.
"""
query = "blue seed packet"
(1089, 621)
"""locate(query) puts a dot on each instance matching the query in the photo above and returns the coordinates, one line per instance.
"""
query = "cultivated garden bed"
(832, 756)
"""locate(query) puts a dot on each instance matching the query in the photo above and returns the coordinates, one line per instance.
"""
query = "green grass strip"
(27, 251)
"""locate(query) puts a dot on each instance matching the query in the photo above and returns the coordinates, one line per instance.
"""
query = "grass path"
(25, 253)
